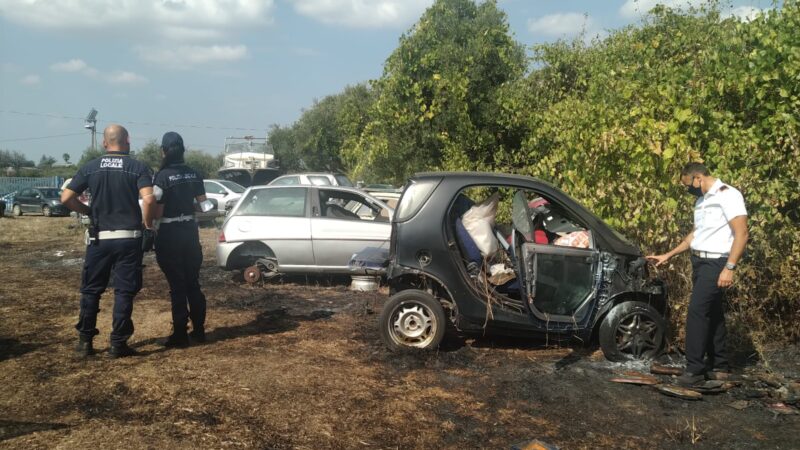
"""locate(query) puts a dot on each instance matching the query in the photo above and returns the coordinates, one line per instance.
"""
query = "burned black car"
(514, 254)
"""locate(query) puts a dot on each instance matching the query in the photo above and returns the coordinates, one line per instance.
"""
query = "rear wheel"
(17, 210)
(412, 319)
(46, 211)
(632, 331)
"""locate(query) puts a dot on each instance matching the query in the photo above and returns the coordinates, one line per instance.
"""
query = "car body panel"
(312, 179)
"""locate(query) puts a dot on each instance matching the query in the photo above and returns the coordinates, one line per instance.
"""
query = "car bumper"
(224, 250)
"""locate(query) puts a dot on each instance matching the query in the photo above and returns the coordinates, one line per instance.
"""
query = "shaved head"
(115, 138)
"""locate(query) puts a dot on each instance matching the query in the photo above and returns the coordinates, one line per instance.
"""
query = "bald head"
(115, 139)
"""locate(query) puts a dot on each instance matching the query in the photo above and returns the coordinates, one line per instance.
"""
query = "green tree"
(90, 154)
(437, 99)
(202, 162)
(150, 154)
(46, 161)
(15, 159)
(66, 157)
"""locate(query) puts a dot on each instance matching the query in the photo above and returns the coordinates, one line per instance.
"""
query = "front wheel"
(412, 319)
(17, 210)
(46, 211)
(632, 331)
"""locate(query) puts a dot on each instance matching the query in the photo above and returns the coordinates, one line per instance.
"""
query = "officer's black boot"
(198, 334)
(178, 339)
(121, 350)
(84, 347)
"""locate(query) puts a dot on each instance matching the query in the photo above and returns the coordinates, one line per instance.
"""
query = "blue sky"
(215, 68)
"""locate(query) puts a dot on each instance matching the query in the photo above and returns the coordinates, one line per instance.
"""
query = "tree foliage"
(15, 159)
(437, 98)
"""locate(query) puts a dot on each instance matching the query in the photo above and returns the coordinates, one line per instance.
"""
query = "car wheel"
(46, 211)
(412, 319)
(17, 210)
(632, 331)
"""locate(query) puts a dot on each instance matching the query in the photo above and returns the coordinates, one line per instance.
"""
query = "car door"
(216, 191)
(27, 200)
(559, 280)
(278, 217)
(337, 232)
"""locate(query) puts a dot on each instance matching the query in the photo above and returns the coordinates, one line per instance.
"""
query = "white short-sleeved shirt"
(712, 212)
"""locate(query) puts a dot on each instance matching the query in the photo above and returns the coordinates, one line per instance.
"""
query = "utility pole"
(91, 124)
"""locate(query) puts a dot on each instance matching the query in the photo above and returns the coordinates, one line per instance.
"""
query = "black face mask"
(696, 191)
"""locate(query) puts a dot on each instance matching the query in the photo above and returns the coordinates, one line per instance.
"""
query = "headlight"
(55, 202)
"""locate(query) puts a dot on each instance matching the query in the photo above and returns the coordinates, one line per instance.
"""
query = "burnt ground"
(299, 364)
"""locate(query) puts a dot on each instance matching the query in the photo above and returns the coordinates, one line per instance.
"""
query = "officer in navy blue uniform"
(114, 238)
(178, 188)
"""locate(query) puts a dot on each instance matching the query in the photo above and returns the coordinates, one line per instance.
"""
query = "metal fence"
(13, 184)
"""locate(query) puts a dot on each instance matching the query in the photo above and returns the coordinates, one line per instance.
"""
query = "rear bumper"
(224, 250)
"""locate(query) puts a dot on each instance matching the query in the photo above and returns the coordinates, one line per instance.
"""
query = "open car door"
(559, 281)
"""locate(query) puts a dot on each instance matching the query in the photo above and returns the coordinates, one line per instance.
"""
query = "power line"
(160, 124)
(40, 137)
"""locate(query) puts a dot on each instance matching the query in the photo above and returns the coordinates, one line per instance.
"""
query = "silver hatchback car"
(302, 229)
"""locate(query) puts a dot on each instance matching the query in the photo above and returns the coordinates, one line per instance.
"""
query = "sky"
(209, 69)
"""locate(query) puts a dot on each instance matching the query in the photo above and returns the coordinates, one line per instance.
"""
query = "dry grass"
(298, 364)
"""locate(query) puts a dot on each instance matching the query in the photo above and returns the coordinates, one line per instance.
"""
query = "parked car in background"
(316, 179)
(203, 217)
(517, 255)
(226, 192)
(301, 229)
(39, 200)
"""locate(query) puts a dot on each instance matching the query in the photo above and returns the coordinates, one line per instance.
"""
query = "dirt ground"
(299, 364)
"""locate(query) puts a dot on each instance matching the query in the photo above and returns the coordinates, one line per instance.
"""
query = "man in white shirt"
(717, 243)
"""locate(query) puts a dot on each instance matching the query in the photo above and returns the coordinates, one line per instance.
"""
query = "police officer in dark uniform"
(114, 238)
(178, 188)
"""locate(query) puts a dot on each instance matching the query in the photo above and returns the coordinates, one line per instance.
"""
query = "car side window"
(348, 206)
(25, 193)
(282, 202)
(213, 188)
(286, 181)
(318, 180)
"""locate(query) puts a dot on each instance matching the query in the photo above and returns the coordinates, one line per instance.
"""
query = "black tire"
(46, 211)
(412, 320)
(17, 211)
(632, 331)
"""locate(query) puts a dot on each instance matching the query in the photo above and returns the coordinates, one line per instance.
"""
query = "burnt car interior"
(542, 261)
(350, 206)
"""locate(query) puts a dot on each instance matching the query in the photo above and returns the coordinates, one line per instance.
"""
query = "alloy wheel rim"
(638, 335)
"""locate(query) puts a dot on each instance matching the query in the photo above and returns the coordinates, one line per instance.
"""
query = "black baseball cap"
(172, 139)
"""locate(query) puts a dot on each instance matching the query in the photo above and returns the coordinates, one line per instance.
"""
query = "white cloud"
(77, 65)
(166, 28)
(562, 24)
(30, 80)
(201, 17)
(745, 13)
(638, 8)
(186, 56)
(363, 13)
(73, 65)
(124, 77)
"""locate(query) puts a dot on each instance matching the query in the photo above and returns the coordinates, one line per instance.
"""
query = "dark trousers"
(179, 255)
(125, 256)
(705, 323)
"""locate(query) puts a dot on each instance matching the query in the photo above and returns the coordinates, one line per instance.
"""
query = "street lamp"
(91, 124)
